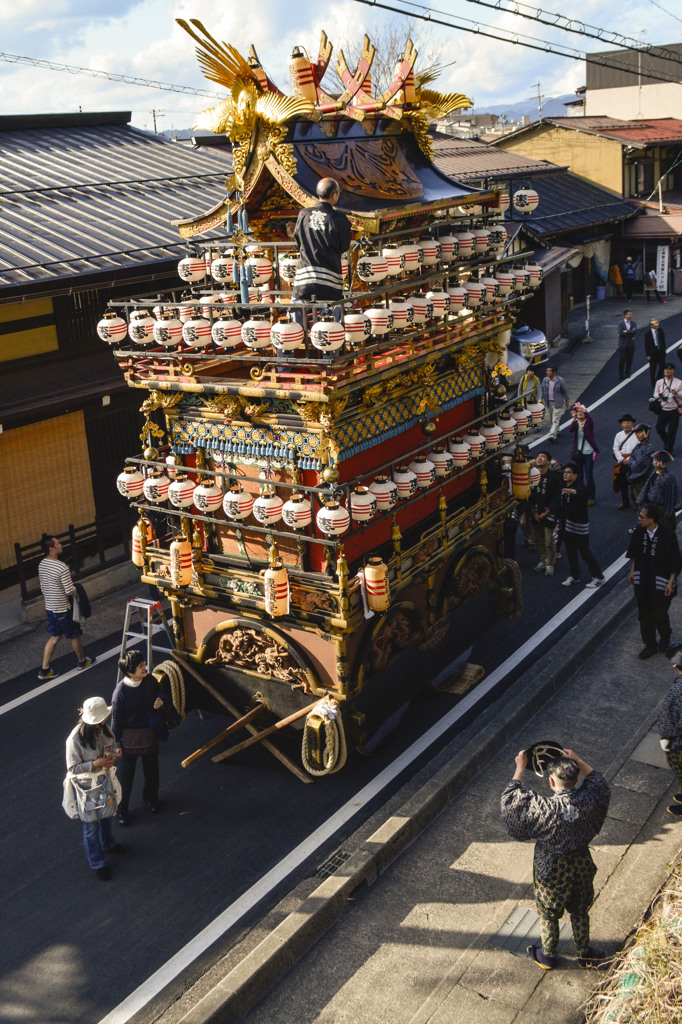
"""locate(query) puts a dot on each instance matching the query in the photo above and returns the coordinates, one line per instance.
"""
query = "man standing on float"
(322, 234)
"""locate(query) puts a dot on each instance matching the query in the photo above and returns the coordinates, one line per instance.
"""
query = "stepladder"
(151, 619)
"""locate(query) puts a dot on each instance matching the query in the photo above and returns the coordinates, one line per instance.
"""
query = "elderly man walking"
(668, 391)
(555, 398)
(563, 826)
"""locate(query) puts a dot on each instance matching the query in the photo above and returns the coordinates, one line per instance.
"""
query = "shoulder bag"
(91, 796)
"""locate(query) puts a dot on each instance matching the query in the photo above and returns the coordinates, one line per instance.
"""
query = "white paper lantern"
(440, 301)
(536, 410)
(410, 253)
(458, 297)
(237, 503)
(460, 451)
(508, 427)
(380, 318)
(286, 335)
(363, 504)
(394, 258)
(196, 332)
(267, 508)
(475, 293)
(492, 434)
(424, 470)
(497, 237)
(297, 512)
(386, 493)
(357, 327)
(156, 486)
(449, 248)
(208, 496)
(288, 265)
(192, 269)
(443, 461)
(481, 243)
(327, 335)
(130, 482)
(536, 274)
(167, 331)
(261, 268)
(521, 279)
(141, 327)
(333, 519)
(492, 290)
(422, 307)
(535, 476)
(371, 267)
(523, 420)
(181, 491)
(403, 313)
(112, 328)
(406, 482)
(465, 240)
(222, 268)
(526, 200)
(256, 332)
(226, 332)
(505, 282)
(476, 442)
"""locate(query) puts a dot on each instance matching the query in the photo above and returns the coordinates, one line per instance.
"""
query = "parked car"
(529, 342)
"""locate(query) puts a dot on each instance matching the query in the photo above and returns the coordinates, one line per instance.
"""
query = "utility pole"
(155, 114)
(540, 99)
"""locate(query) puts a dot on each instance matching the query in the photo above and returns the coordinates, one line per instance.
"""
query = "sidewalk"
(432, 922)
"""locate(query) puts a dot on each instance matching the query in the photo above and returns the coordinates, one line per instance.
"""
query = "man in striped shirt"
(58, 590)
(323, 235)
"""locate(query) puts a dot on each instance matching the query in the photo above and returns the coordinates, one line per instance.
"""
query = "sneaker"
(569, 582)
(104, 874)
(647, 652)
(549, 570)
(86, 663)
(47, 673)
(594, 583)
(540, 567)
(675, 810)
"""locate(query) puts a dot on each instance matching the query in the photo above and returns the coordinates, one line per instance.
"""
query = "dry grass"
(644, 985)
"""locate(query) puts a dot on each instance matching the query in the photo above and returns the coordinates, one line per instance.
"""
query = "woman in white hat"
(89, 748)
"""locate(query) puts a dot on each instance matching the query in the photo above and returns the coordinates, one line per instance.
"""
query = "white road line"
(232, 914)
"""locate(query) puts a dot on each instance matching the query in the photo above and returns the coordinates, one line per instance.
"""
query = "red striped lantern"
(333, 519)
(167, 331)
(449, 247)
(196, 332)
(267, 508)
(424, 470)
(286, 335)
(296, 512)
(156, 486)
(181, 562)
(460, 451)
(130, 482)
(386, 493)
(181, 491)
(276, 589)
(377, 585)
(192, 269)
(141, 327)
(112, 328)
(237, 503)
(256, 332)
(363, 504)
(208, 496)
(466, 242)
(395, 259)
(226, 332)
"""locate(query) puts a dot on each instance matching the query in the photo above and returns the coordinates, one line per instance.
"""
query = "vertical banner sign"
(662, 267)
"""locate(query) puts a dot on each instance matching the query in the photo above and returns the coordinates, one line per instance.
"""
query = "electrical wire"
(581, 28)
(517, 39)
(661, 8)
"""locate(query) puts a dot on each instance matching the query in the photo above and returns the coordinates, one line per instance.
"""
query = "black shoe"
(104, 874)
(675, 810)
(122, 819)
(647, 652)
(677, 798)
(536, 954)
(590, 959)
(153, 807)
(663, 645)
(116, 848)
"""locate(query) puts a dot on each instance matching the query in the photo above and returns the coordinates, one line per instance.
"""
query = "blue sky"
(139, 37)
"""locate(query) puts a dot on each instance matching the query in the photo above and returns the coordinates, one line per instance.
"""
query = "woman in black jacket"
(135, 698)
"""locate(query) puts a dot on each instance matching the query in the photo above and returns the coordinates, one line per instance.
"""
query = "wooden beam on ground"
(243, 721)
(258, 737)
(286, 761)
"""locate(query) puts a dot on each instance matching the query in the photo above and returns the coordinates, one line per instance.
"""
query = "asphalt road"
(74, 947)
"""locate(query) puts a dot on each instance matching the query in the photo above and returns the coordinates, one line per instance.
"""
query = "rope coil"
(335, 749)
(176, 680)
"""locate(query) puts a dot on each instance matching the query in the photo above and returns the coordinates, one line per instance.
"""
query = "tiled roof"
(649, 132)
(468, 160)
(89, 197)
(569, 203)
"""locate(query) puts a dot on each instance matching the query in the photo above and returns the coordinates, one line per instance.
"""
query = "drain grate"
(522, 929)
(332, 864)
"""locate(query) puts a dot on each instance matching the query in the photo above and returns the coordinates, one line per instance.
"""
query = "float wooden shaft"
(244, 720)
(258, 736)
(286, 761)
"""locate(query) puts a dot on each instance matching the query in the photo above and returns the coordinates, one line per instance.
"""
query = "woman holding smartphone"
(90, 748)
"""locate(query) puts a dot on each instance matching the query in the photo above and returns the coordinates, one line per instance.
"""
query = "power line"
(661, 8)
(581, 28)
(12, 58)
(517, 38)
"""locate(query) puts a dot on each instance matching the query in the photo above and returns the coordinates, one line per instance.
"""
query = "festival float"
(321, 488)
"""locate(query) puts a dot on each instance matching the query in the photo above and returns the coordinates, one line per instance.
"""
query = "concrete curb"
(244, 985)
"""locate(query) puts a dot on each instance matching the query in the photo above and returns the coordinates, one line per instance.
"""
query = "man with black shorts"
(58, 590)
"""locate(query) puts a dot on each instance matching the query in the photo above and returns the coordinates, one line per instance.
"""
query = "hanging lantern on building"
(333, 519)
(422, 307)
(536, 274)
(286, 335)
(226, 332)
(424, 470)
(256, 332)
(208, 496)
(520, 476)
(288, 265)
(440, 301)
(192, 269)
(156, 486)
(386, 493)
(458, 297)
(196, 332)
(142, 529)
(222, 267)
(504, 203)
(505, 282)
(167, 331)
(141, 327)
(112, 328)
(465, 240)
(526, 200)
(130, 482)
(276, 589)
(497, 238)
(237, 503)
(449, 245)
(174, 465)
(261, 268)
(380, 318)
(301, 75)
(493, 436)
(181, 491)
(267, 507)
(475, 294)
(395, 259)
(327, 335)
(376, 585)
(431, 252)
(357, 327)
(372, 266)
(187, 311)
(460, 451)
(410, 254)
(363, 504)
(402, 312)
(481, 240)
(296, 512)
(181, 561)
(492, 290)
(476, 442)
(406, 482)
(521, 279)
(442, 460)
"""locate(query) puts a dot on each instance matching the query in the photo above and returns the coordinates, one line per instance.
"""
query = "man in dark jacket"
(563, 826)
(655, 566)
(574, 527)
(640, 463)
(627, 332)
(628, 275)
(544, 503)
(323, 235)
(654, 350)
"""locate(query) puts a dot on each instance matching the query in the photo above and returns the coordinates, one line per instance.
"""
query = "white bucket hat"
(95, 711)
